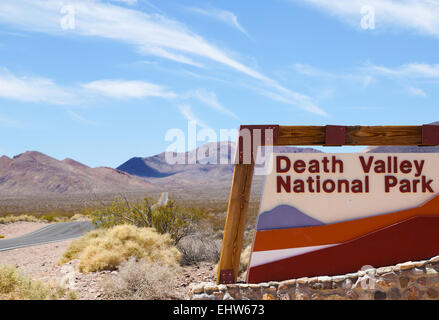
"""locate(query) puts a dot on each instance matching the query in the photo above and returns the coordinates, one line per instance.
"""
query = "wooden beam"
(355, 135)
(235, 223)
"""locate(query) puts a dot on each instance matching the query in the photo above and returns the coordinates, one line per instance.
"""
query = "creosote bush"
(170, 219)
(140, 280)
(15, 286)
(106, 249)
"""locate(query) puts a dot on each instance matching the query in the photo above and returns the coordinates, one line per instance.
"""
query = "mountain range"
(34, 173)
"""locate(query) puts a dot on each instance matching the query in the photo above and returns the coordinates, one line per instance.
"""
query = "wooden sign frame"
(330, 135)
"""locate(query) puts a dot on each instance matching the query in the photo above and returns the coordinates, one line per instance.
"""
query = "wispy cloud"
(210, 99)
(9, 123)
(122, 89)
(411, 70)
(129, 2)
(80, 119)
(419, 15)
(33, 89)
(416, 91)
(224, 16)
(186, 111)
(151, 33)
(359, 76)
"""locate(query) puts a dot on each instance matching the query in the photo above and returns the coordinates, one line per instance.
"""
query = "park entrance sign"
(331, 214)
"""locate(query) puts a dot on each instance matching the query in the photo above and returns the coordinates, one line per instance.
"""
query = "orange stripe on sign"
(336, 232)
(411, 240)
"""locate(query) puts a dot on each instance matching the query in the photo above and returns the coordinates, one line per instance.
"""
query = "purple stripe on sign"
(285, 216)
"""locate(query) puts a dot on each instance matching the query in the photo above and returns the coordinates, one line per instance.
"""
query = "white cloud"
(416, 92)
(419, 15)
(43, 90)
(122, 89)
(33, 89)
(224, 16)
(210, 99)
(186, 111)
(152, 33)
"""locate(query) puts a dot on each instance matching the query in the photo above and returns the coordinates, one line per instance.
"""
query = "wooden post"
(228, 266)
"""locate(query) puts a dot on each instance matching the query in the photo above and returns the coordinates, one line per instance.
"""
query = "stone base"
(405, 281)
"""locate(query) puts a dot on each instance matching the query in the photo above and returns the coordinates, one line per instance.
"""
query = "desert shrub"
(196, 249)
(140, 280)
(106, 249)
(48, 218)
(15, 286)
(12, 219)
(171, 219)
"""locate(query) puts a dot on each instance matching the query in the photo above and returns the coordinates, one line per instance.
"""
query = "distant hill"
(34, 173)
(403, 149)
(213, 164)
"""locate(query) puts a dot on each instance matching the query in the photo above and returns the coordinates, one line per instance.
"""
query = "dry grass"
(15, 286)
(140, 280)
(106, 249)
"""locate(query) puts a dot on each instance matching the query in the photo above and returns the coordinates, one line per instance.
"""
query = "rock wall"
(408, 281)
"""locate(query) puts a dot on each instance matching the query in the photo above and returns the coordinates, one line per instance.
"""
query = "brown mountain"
(34, 173)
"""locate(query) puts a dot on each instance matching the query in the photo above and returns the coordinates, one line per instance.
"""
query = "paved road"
(52, 233)
(163, 200)
(57, 232)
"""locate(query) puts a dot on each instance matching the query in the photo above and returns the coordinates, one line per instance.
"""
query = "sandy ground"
(16, 229)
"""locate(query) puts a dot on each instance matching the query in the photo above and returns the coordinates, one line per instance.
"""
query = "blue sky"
(103, 81)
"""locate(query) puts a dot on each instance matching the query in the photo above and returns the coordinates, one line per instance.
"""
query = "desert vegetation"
(139, 248)
(141, 280)
(32, 218)
(106, 249)
(16, 286)
(176, 221)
